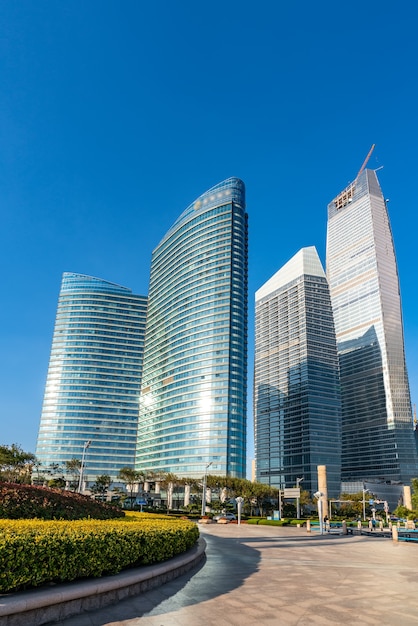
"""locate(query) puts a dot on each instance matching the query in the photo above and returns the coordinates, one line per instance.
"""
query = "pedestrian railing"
(408, 535)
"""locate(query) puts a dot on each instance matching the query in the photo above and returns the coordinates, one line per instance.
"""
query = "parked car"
(226, 516)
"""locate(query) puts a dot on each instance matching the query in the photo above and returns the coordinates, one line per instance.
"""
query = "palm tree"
(130, 477)
(73, 467)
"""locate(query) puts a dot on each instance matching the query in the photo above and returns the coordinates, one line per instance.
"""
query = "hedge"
(35, 552)
(262, 521)
(28, 502)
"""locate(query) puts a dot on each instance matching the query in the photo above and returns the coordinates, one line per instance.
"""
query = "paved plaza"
(280, 576)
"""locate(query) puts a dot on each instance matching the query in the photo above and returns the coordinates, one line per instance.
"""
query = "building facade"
(94, 377)
(297, 407)
(193, 396)
(377, 431)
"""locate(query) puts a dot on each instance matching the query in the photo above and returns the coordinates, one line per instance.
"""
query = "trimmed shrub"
(262, 521)
(35, 552)
(29, 502)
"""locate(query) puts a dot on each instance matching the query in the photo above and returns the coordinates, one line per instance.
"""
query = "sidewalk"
(280, 576)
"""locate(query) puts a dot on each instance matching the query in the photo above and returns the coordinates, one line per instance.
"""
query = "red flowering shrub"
(29, 502)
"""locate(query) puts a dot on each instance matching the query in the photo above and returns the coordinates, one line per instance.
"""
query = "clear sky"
(114, 116)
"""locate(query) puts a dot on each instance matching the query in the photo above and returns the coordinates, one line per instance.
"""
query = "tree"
(261, 496)
(73, 467)
(57, 483)
(15, 464)
(403, 512)
(305, 500)
(102, 484)
(351, 505)
(415, 494)
(130, 477)
(40, 478)
(57, 480)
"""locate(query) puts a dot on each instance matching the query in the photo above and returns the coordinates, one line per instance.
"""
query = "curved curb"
(40, 606)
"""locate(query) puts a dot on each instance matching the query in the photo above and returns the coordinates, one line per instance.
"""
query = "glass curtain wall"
(193, 398)
(94, 377)
(377, 434)
(297, 407)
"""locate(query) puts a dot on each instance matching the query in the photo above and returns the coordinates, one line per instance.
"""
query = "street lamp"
(364, 502)
(318, 495)
(204, 490)
(80, 482)
(298, 481)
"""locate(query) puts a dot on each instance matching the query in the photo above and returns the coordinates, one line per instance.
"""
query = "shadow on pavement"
(225, 568)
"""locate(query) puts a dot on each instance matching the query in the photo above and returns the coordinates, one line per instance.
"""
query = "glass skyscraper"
(297, 405)
(377, 429)
(94, 377)
(193, 395)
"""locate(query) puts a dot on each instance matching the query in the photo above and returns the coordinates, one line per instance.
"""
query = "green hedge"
(29, 502)
(262, 521)
(37, 552)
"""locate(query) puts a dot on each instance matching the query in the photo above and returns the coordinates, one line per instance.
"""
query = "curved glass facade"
(297, 404)
(377, 431)
(193, 395)
(94, 376)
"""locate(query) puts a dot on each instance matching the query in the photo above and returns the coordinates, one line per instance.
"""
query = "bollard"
(308, 525)
(345, 532)
(395, 533)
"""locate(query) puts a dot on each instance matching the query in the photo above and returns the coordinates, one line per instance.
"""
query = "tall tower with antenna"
(377, 428)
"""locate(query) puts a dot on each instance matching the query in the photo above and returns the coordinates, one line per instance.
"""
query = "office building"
(377, 428)
(94, 376)
(297, 408)
(193, 397)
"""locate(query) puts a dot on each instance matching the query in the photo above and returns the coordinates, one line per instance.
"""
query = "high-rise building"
(94, 377)
(193, 395)
(377, 429)
(297, 407)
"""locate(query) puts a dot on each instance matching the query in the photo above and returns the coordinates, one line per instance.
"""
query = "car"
(225, 516)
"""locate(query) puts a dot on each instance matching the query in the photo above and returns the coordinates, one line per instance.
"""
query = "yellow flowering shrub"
(33, 552)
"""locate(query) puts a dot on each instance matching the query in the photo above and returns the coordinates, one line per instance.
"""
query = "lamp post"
(80, 482)
(204, 490)
(364, 502)
(298, 481)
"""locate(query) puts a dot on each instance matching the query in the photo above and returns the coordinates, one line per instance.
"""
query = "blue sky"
(114, 116)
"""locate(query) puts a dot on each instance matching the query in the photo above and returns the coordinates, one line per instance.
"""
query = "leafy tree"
(102, 484)
(253, 494)
(415, 494)
(57, 483)
(353, 505)
(15, 464)
(403, 512)
(57, 479)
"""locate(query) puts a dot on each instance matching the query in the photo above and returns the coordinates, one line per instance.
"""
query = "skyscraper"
(377, 433)
(193, 396)
(297, 409)
(94, 377)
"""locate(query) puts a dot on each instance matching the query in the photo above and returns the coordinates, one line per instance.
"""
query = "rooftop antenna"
(366, 160)
(346, 196)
